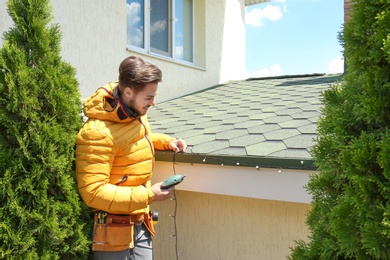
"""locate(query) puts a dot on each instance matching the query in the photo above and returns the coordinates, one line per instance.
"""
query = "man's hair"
(135, 73)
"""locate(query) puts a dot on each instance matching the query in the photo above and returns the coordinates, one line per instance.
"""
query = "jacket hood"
(105, 105)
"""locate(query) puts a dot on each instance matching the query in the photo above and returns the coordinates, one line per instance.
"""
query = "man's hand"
(178, 145)
(159, 194)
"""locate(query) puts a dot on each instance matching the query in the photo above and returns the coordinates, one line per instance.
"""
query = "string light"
(175, 214)
(225, 161)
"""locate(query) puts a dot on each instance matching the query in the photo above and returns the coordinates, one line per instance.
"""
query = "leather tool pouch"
(112, 232)
(149, 223)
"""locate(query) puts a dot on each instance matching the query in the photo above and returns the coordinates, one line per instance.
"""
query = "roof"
(265, 122)
(255, 2)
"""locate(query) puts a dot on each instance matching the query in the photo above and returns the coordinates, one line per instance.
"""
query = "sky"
(291, 37)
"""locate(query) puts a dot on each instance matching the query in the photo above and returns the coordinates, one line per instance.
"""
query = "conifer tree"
(350, 215)
(41, 215)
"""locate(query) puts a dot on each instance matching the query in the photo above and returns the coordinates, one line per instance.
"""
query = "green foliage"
(350, 215)
(41, 215)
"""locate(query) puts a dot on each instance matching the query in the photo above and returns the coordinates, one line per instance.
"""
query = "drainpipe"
(347, 8)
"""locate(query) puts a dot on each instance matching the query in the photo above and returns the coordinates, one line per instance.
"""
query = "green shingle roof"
(265, 121)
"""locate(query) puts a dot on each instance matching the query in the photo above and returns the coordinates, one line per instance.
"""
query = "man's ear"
(129, 93)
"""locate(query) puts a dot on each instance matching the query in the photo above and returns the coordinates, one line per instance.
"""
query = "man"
(115, 159)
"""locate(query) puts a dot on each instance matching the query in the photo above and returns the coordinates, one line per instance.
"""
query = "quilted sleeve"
(160, 141)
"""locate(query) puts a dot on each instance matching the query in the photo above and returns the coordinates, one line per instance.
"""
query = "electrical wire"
(175, 211)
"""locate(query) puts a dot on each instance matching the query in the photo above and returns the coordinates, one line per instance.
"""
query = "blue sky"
(290, 37)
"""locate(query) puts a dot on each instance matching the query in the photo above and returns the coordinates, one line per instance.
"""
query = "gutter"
(239, 161)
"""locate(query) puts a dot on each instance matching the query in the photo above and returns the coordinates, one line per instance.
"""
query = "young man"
(115, 159)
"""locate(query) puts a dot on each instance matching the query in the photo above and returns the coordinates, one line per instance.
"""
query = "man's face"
(141, 101)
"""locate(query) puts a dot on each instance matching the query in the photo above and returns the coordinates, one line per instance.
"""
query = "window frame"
(171, 54)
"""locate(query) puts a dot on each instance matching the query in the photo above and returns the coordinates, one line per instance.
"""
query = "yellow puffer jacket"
(115, 156)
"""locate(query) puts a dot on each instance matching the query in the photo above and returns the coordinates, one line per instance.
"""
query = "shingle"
(189, 134)
(281, 134)
(275, 117)
(218, 128)
(261, 129)
(265, 148)
(304, 114)
(312, 108)
(292, 153)
(308, 129)
(288, 111)
(199, 139)
(300, 141)
(247, 124)
(178, 125)
(210, 147)
(236, 119)
(207, 124)
(261, 115)
(313, 119)
(226, 135)
(294, 123)
(272, 108)
(237, 151)
(247, 140)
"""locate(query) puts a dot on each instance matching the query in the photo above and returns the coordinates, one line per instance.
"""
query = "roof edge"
(288, 76)
(255, 2)
(240, 161)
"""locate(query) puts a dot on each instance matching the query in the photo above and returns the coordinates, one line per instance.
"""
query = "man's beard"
(130, 105)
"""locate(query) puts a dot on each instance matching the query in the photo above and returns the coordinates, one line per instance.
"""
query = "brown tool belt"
(113, 232)
(101, 217)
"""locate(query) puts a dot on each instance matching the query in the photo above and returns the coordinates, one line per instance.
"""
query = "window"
(163, 27)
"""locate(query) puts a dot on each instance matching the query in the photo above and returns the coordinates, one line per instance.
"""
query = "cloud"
(158, 26)
(179, 52)
(274, 70)
(256, 16)
(133, 12)
(336, 65)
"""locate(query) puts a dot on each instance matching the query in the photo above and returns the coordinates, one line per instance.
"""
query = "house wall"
(263, 183)
(231, 212)
(224, 227)
(94, 42)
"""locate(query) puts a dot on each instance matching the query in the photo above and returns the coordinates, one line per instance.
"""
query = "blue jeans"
(143, 249)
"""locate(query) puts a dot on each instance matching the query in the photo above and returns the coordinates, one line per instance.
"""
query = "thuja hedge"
(41, 216)
(350, 215)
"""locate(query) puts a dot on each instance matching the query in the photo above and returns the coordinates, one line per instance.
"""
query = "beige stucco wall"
(223, 227)
(94, 42)
(231, 212)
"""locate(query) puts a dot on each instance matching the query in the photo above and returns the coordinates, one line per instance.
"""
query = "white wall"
(249, 182)
(94, 42)
(90, 39)
(233, 43)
